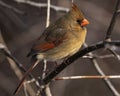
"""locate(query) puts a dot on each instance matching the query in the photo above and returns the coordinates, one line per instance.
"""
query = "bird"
(61, 39)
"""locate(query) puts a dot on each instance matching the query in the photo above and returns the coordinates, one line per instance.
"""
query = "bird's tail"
(25, 75)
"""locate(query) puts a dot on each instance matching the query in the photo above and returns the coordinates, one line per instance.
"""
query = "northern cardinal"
(61, 39)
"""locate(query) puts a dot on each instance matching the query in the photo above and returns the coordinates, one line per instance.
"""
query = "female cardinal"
(61, 39)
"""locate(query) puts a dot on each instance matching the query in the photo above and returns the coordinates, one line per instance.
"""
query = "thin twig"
(72, 1)
(17, 65)
(88, 77)
(107, 81)
(113, 20)
(13, 65)
(117, 56)
(5, 50)
(40, 5)
(11, 7)
(100, 57)
(46, 88)
(25, 89)
(48, 14)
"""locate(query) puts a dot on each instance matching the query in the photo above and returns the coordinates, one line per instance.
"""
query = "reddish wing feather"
(52, 38)
(44, 46)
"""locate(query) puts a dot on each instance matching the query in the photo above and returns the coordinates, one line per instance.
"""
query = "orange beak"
(84, 22)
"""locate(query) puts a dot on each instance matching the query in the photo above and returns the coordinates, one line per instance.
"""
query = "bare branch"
(48, 13)
(113, 20)
(96, 56)
(107, 81)
(11, 7)
(79, 54)
(13, 64)
(117, 56)
(46, 88)
(72, 1)
(40, 5)
(25, 89)
(88, 77)
(70, 60)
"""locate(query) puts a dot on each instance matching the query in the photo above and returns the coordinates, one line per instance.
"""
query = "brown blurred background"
(19, 31)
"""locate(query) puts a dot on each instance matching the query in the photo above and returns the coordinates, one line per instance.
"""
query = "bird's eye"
(79, 21)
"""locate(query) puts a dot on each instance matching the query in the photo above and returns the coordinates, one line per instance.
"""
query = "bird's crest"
(76, 11)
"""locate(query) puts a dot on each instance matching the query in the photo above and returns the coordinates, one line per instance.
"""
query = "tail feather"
(23, 79)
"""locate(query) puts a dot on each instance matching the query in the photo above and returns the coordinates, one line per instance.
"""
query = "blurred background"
(21, 24)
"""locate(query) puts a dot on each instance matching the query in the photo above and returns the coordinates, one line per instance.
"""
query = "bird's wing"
(51, 37)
